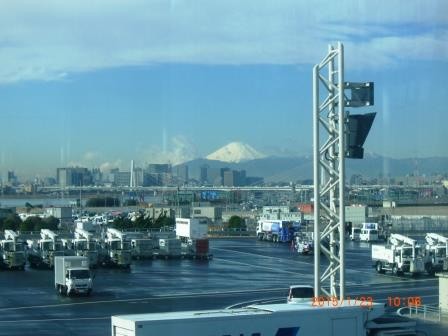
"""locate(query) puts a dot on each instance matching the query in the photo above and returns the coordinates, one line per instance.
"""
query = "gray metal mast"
(329, 167)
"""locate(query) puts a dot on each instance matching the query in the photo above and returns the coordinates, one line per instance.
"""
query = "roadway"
(243, 271)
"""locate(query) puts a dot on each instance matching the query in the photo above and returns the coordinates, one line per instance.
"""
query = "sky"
(101, 82)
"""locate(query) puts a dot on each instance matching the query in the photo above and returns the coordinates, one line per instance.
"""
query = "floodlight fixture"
(357, 129)
(362, 94)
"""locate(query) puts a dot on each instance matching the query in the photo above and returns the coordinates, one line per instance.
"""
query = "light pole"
(336, 135)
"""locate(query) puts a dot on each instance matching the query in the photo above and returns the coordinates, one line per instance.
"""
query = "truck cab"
(72, 275)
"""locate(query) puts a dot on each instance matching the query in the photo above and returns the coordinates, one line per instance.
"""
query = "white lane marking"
(268, 257)
(276, 270)
(156, 297)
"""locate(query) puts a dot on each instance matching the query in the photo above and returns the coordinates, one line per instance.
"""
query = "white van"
(300, 294)
(355, 234)
(368, 235)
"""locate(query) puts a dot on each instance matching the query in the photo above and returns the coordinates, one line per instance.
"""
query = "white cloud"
(49, 39)
(179, 149)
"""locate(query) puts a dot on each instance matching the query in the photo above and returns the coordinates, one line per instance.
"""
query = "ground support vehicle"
(72, 275)
(191, 228)
(169, 248)
(436, 253)
(142, 248)
(303, 243)
(85, 245)
(12, 252)
(369, 232)
(42, 251)
(197, 249)
(400, 256)
(356, 232)
(260, 320)
(277, 230)
(116, 250)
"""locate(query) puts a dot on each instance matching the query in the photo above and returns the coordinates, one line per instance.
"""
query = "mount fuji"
(235, 152)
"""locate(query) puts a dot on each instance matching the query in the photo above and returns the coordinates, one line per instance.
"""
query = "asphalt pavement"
(243, 271)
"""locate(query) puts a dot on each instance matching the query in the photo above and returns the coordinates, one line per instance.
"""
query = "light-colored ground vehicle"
(369, 232)
(12, 252)
(355, 233)
(436, 253)
(259, 320)
(277, 230)
(403, 254)
(142, 248)
(85, 245)
(117, 249)
(303, 242)
(72, 275)
(300, 294)
(191, 228)
(42, 251)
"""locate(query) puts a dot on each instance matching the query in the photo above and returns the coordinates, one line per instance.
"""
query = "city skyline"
(173, 81)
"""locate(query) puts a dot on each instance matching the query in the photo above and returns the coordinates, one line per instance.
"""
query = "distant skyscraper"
(182, 173)
(73, 176)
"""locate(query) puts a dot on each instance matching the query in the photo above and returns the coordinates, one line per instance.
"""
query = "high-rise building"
(182, 173)
(73, 176)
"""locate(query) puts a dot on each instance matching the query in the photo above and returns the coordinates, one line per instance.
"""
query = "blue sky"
(98, 83)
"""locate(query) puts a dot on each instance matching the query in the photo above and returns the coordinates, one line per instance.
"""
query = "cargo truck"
(191, 228)
(12, 251)
(117, 249)
(277, 230)
(402, 255)
(436, 253)
(193, 234)
(86, 246)
(72, 275)
(43, 251)
(302, 319)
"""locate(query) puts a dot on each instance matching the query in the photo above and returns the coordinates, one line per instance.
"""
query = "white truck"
(191, 228)
(193, 234)
(118, 249)
(43, 251)
(72, 275)
(86, 246)
(402, 255)
(277, 230)
(12, 252)
(261, 320)
(436, 253)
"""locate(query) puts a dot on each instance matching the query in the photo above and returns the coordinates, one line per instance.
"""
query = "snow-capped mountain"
(236, 152)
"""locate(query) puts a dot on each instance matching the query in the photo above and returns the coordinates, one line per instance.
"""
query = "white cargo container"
(170, 247)
(261, 320)
(72, 275)
(191, 228)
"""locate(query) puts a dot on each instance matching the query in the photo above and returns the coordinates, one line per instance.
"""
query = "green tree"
(12, 222)
(51, 223)
(32, 223)
(26, 225)
(121, 223)
(236, 222)
(163, 221)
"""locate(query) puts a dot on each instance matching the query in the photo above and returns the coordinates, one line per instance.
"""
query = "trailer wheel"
(379, 267)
